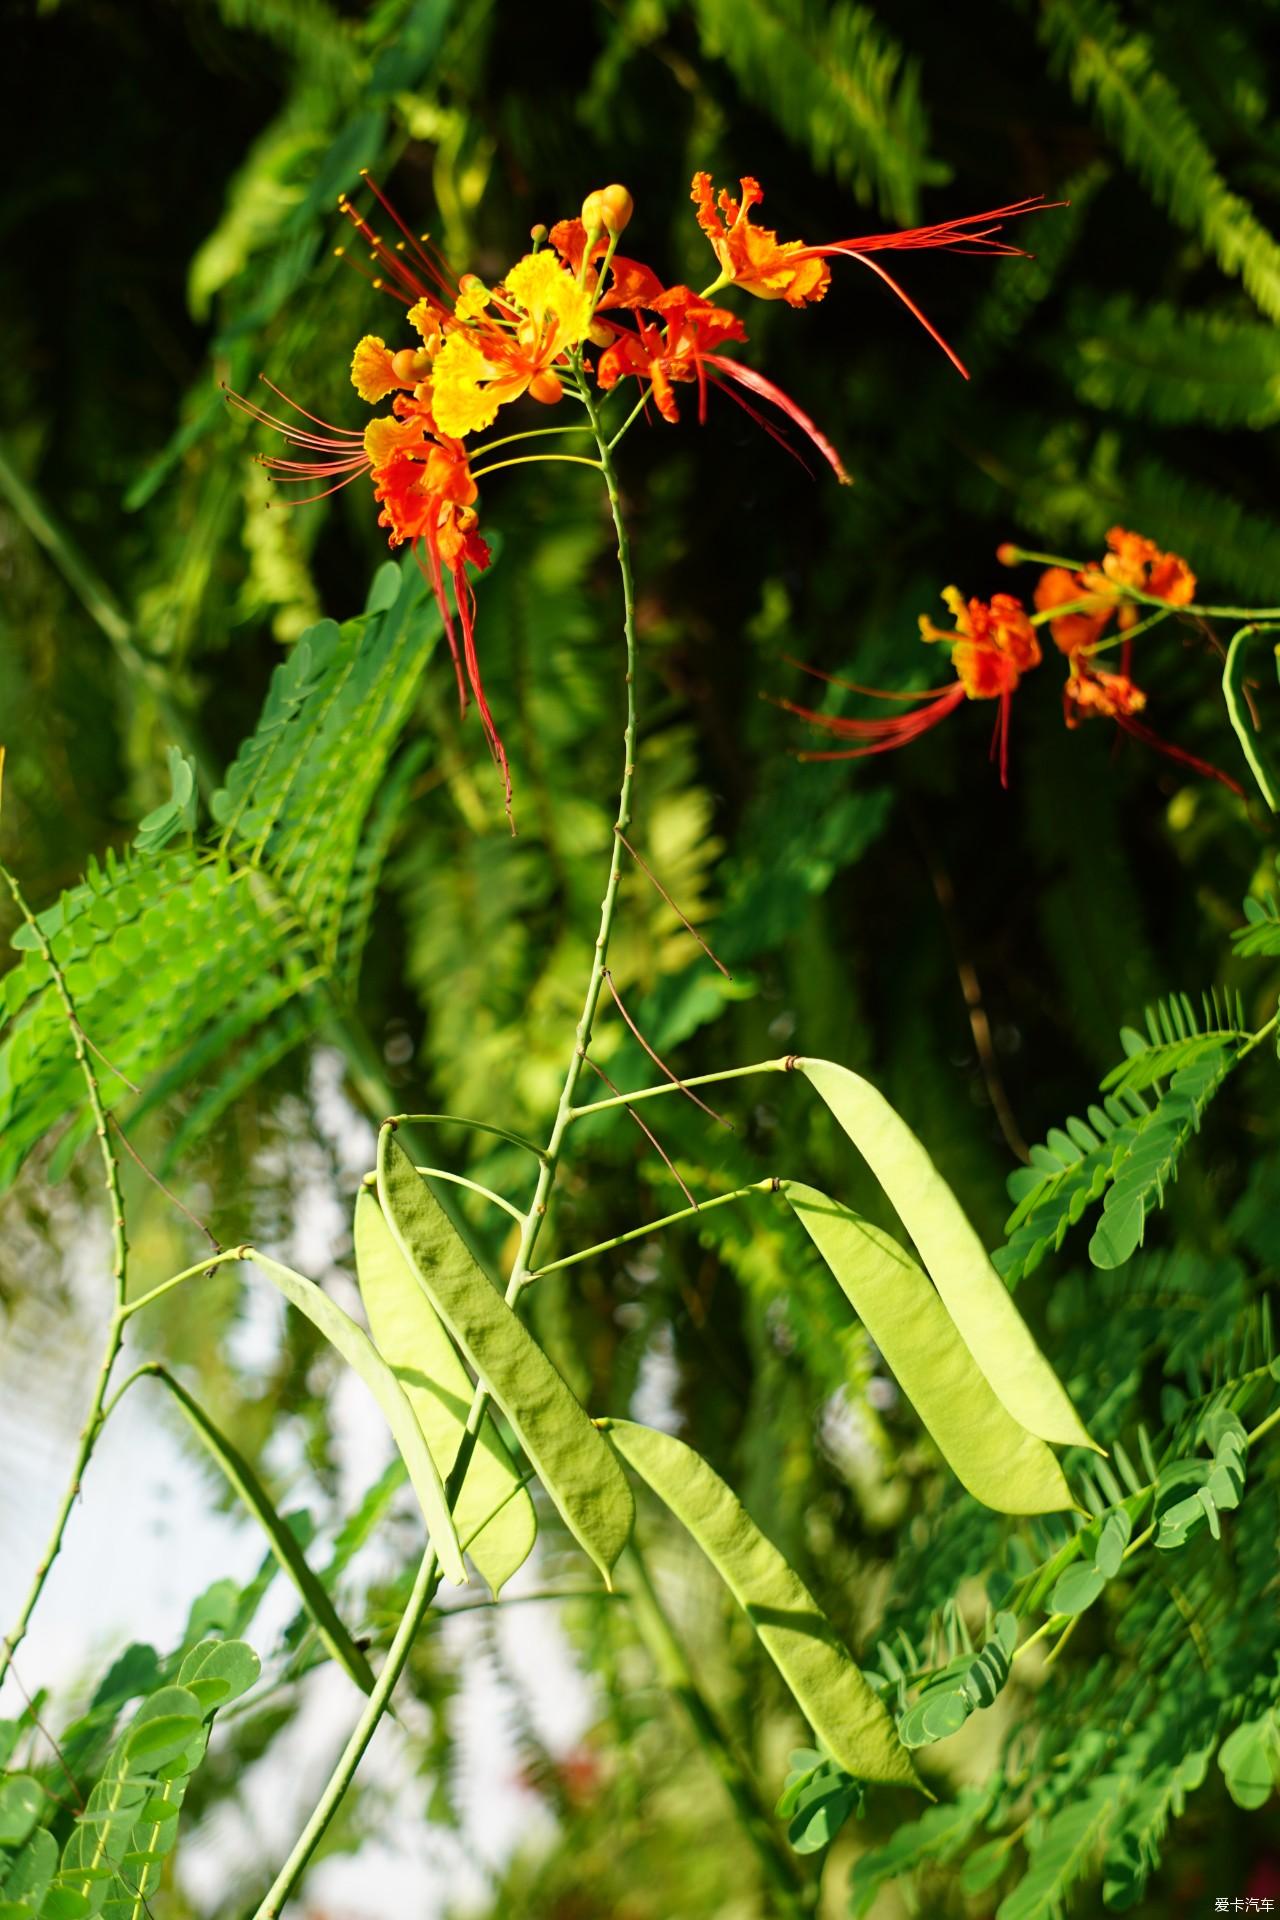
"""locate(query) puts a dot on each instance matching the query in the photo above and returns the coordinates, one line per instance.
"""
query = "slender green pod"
(570, 1456)
(999, 1462)
(1233, 692)
(828, 1687)
(954, 1257)
(408, 1334)
(360, 1354)
(289, 1555)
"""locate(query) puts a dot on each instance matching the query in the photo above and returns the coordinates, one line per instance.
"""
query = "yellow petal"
(473, 297)
(460, 403)
(372, 374)
(425, 319)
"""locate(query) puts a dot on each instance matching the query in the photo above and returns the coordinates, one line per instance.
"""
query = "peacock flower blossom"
(630, 283)
(686, 347)
(1090, 693)
(1096, 594)
(507, 343)
(1135, 561)
(754, 259)
(992, 645)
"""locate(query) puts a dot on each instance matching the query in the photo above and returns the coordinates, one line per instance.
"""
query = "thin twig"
(647, 1131)
(41, 1728)
(156, 1181)
(108, 1064)
(683, 918)
(661, 1065)
(120, 1276)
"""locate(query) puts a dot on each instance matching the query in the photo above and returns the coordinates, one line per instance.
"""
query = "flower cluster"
(994, 643)
(474, 349)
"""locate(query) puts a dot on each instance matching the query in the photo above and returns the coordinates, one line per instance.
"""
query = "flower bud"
(608, 209)
(617, 207)
(409, 365)
(1007, 554)
(599, 335)
(538, 235)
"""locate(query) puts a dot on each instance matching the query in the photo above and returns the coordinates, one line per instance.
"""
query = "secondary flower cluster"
(994, 643)
(472, 349)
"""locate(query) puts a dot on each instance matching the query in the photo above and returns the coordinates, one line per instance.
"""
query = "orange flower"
(695, 329)
(1134, 561)
(631, 284)
(1137, 562)
(992, 645)
(423, 485)
(754, 259)
(1078, 631)
(1090, 693)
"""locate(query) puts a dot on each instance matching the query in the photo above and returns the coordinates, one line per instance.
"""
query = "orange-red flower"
(422, 483)
(1089, 691)
(754, 259)
(685, 350)
(992, 645)
(1096, 595)
(1092, 694)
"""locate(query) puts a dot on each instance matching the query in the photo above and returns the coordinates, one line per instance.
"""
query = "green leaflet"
(970, 1682)
(363, 1358)
(842, 1709)
(954, 1257)
(569, 1455)
(998, 1461)
(283, 1544)
(410, 1338)
(115, 1856)
(1250, 1761)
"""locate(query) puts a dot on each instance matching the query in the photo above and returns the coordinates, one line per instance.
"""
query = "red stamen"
(756, 383)
(1166, 747)
(908, 303)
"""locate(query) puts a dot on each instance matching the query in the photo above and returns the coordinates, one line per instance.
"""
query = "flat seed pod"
(360, 1354)
(408, 1334)
(999, 1462)
(953, 1256)
(846, 1715)
(570, 1456)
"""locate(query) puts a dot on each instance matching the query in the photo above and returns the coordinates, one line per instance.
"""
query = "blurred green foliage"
(170, 225)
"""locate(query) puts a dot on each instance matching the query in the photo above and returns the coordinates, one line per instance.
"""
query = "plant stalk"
(119, 1269)
(428, 1576)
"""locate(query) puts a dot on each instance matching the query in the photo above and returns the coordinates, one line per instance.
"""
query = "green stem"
(1123, 592)
(142, 1300)
(477, 1126)
(1263, 1427)
(794, 1897)
(473, 1186)
(532, 459)
(653, 1226)
(1233, 693)
(428, 1576)
(534, 433)
(632, 417)
(672, 1086)
(119, 1269)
